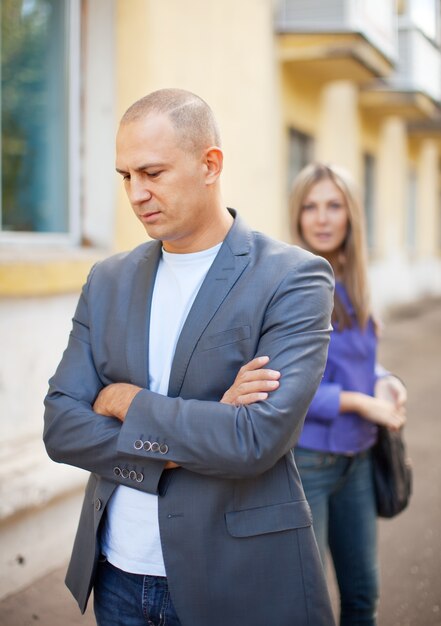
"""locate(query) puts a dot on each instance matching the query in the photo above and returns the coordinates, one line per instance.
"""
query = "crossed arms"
(92, 423)
(253, 383)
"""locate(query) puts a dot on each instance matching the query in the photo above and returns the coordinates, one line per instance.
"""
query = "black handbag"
(392, 473)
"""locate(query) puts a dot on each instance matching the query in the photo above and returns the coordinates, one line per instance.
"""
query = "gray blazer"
(235, 527)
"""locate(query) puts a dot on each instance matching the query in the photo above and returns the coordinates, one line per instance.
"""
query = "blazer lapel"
(228, 265)
(138, 319)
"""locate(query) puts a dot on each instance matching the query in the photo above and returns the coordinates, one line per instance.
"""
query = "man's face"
(166, 185)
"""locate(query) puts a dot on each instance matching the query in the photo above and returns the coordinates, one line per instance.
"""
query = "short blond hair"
(189, 114)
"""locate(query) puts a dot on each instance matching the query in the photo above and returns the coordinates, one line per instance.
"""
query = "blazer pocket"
(225, 337)
(269, 519)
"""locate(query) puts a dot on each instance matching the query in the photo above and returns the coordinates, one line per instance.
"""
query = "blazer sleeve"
(234, 442)
(73, 432)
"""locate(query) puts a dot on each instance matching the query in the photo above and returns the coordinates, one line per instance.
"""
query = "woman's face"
(324, 219)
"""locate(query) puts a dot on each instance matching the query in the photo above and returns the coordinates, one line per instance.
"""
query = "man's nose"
(138, 191)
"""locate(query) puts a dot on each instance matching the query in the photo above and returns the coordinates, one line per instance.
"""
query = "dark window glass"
(34, 116)
(411, 218)
(301, 153)
(369, 198)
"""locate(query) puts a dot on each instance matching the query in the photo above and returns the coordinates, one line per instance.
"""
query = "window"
(411, 217)
(369, 198)
(439, 207)
(38, 109)
(301, 152)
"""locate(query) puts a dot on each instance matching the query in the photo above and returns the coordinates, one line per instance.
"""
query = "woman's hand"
(391, 388)
(376, 410)
(253, 383)
(383, 412)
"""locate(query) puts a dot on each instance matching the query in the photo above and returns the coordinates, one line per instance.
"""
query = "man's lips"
(149, 216)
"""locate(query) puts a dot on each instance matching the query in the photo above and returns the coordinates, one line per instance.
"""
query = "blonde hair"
(190, 115)
(354, 255)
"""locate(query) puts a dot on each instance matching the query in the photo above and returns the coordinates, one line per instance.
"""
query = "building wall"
(38, 500)
(405, 259)
(225, 52)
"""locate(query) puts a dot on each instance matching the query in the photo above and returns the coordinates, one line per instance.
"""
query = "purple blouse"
(350, 367)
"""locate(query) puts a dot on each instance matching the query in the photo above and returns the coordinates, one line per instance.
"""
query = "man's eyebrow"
(141, 168)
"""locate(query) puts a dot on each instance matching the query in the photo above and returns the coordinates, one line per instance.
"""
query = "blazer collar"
(230, 262)
(138, 319)
(226, 269)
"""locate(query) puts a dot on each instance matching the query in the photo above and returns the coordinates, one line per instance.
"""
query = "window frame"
(411, 216)
(369, 199)
(301, 152)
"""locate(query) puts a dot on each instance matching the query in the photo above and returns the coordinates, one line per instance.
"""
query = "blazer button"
(163, 448)
(117, 471)
(138, 444)
(132, 475)
(125, 473)
(98, 504)
(139, 477)
(155, 446)
(147, 446)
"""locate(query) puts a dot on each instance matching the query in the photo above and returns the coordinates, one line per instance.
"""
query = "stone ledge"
(37, 542)
(30, 480)
(34, 271)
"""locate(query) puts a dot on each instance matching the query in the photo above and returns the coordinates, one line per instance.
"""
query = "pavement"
(409, 545)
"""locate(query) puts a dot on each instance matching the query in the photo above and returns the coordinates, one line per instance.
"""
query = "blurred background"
(353, 82)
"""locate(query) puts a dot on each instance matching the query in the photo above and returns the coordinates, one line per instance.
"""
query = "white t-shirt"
(130, 538)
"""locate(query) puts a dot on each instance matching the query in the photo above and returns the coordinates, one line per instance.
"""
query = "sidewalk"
(410, 545)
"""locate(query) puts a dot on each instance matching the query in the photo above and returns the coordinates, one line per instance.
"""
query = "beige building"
(355, 82)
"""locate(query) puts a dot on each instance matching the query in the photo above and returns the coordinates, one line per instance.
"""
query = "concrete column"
(392, 188)
(427, 200)
(176, 44)
(225, 52)
(98, 106)
(338, 133)
(133, 81)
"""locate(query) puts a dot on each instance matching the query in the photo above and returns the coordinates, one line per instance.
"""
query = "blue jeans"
(340, 492)
(123, 599)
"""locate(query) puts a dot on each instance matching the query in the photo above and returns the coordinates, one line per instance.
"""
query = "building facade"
(354, 82)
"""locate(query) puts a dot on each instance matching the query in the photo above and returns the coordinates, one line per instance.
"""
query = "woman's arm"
(377, 410)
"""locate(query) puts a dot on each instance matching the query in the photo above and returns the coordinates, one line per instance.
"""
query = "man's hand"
(253, 383)
(114, 400)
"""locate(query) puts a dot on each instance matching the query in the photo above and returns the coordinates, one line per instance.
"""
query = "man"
(194, 514)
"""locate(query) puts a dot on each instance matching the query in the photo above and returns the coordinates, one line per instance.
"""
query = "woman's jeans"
(123, 599)
(340, 492)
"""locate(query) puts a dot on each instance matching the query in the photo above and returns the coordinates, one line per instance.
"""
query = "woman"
(333, 453)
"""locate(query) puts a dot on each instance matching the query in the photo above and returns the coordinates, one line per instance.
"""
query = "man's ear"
(213, 161)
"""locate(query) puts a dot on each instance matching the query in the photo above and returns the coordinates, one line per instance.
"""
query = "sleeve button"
(138, 444)
(132, 475)
(125, 473)
(163, 448)
(117, 471)
(155, 446)
(147, 446)
(139, 477)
